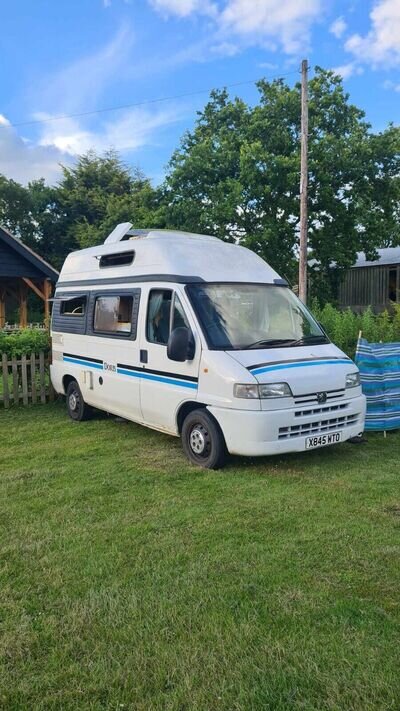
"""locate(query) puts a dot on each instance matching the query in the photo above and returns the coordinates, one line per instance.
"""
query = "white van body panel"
(134, 378)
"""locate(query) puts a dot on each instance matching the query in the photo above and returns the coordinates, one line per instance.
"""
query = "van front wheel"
(203, 441)
(76, 406)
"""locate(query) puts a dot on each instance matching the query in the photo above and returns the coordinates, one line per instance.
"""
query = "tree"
(237, 175)
(98, 192)
(93, 196)
(31, 214)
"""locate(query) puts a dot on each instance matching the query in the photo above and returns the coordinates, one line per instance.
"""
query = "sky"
(74, 57)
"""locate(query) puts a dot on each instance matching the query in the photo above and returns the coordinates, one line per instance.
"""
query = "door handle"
(143, 356)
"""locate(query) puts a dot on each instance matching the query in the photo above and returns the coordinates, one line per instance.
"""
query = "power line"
(141, 103)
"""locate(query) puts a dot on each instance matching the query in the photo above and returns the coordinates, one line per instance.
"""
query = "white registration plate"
(323, 440)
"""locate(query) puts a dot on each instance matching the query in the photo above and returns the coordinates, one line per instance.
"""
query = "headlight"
(246, 391)
(352, 380)
(275, 390)
(262, 391)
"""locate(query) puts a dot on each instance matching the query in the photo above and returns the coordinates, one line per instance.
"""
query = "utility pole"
(303, 184)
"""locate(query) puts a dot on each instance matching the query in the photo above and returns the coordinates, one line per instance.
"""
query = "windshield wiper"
(270, 342)
(321, 338)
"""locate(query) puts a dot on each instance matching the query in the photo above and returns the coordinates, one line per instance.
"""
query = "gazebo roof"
(19, 260)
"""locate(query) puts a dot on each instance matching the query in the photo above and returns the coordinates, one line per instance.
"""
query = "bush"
(24, 342)
(343, 327)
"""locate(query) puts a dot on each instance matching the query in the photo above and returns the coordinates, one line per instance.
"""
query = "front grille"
(319, 410)
(313, 397)
(317, 427)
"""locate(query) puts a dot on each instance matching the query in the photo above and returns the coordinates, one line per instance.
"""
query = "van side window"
(73, 307)
(178, 316)
(158, 315)
(113, 314)
(161, 318)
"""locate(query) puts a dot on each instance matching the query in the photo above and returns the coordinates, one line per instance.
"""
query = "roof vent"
(118, 233)
(124, 232)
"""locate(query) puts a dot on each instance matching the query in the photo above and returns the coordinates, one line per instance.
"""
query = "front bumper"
(265, 432)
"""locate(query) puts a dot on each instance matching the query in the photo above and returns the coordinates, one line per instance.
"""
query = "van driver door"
(165, 383)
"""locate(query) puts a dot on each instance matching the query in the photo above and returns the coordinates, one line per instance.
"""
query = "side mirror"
(180, 345)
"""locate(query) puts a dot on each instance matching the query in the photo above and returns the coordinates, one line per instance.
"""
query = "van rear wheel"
(76, 406)
(202, 440)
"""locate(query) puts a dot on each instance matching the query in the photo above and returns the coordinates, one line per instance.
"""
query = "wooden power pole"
(303, 184)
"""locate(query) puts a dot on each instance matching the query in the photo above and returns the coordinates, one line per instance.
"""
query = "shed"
(22, 270)
(375, 284)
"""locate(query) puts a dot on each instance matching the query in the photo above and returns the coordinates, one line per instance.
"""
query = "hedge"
(343, 327)
(24, 342)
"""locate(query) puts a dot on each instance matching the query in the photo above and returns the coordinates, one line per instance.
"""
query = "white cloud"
(224, 49)
(389, 84)
(269, 23)
(79, 85)
(338, 27)
(381, 46)
(287, 22)
(348, 70)
(24, 161)
(184, 8)
(268, 65)
(60, 141)
(130, 130)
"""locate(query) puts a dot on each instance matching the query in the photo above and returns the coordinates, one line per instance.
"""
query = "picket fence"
(25, 380)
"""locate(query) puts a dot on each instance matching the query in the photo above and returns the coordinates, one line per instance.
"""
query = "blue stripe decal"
(86, 363)
(306, 364)
(134, 373)
(157, 378)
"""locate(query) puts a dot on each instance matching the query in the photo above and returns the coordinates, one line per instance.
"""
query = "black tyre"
(76, 406)
(203, 441)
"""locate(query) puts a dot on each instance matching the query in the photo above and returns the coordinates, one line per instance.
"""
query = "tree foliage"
(91, 198)
(237, 175)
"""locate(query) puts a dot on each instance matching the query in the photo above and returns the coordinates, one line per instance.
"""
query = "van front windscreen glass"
(243, 316)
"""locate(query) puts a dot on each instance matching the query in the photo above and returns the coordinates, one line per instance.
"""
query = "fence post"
(14, 367)
(24, 380)
(33, 379)
(4, 365)
(42, 378)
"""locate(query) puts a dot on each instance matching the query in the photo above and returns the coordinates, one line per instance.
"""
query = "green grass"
(131, 580)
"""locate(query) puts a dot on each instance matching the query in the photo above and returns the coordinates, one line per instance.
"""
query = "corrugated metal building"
(375, 284)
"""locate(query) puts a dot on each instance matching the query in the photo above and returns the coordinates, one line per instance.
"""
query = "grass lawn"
(131, 580)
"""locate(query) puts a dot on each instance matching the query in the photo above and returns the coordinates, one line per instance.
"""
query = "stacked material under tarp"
(379, 365)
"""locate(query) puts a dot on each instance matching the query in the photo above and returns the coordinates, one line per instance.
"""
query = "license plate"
(323, 440)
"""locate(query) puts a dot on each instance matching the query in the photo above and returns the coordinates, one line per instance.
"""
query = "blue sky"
(74, 56)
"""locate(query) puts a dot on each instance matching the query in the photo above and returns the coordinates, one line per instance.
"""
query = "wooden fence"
(25, 380)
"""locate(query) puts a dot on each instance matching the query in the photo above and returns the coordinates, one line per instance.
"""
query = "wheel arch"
(67, 379)
(185, 409)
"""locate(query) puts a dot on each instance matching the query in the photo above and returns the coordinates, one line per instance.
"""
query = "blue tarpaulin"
(379, 365)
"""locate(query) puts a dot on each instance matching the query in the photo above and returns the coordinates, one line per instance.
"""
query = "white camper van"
(201, 339)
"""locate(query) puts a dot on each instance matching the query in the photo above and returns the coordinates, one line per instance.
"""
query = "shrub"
(24, 342)
(343, 327)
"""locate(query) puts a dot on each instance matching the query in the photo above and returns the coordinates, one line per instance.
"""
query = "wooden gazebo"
(22, 270)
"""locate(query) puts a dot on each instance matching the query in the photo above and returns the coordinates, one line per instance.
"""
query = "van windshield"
(243, 316)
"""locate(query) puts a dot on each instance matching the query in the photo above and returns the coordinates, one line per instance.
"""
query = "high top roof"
(179, 256)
